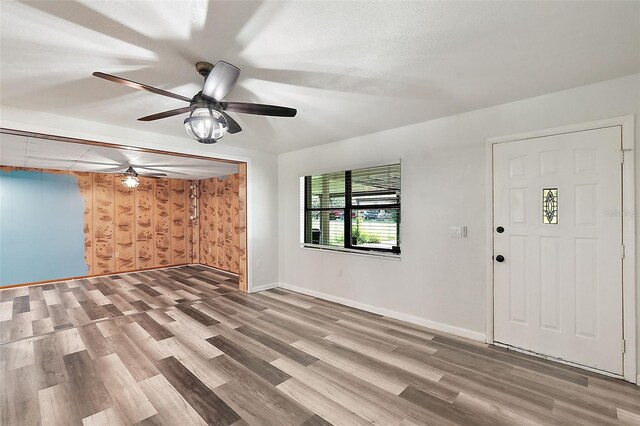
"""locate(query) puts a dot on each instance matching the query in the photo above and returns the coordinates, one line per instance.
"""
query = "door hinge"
(622, 251)
(624, 346)
(622, 156)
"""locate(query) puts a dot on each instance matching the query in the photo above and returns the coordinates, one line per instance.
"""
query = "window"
(355, 209)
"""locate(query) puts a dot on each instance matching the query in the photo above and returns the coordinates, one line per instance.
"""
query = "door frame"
(627, 124)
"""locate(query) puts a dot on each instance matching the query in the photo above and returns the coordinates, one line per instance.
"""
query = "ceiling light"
(206, 125)
(130, 182)
(130, 179)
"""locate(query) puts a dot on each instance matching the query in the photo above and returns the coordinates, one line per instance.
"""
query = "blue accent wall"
(41, 227)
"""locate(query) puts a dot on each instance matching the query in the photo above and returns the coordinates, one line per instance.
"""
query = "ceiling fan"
(208, 118)
(129, 176)
(154, 170)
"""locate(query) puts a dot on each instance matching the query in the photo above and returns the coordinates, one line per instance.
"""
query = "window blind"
(355, 209)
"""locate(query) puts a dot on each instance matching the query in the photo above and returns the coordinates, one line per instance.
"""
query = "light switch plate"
(458, 232)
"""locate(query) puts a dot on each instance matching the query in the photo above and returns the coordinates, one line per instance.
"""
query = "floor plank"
(201, 398)
(171, 406)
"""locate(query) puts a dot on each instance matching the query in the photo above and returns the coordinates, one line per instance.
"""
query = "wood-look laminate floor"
(183, 346)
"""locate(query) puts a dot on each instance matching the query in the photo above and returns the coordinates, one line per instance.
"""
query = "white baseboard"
(437, 326)
(264, 287)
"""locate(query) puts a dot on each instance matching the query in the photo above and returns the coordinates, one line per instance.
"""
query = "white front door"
(558, 246)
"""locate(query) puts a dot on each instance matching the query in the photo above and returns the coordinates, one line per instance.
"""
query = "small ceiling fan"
(208, 117)
(129, 175)
(149, 170)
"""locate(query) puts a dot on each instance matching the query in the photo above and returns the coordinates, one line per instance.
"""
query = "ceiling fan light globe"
(206, 125)
(130, 181)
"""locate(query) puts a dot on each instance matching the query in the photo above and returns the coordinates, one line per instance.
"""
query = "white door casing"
(559, 290)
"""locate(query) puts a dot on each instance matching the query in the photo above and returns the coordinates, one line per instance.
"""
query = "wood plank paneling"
(85, 182)
(242, 227)
(220, 228)
(217, 223)
(54, 172)
(228, 232)
(179, 218)
(144, 223)
(162, 224)
(125, 228)
(103, 223)
(235, 223)
(204, 198)
(193, 226)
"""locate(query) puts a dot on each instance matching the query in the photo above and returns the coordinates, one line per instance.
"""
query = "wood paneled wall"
(149, 227)
(179, 216)
(134, 229)
(104, 251)
(144, 223)
(219, 223)
(127, 230)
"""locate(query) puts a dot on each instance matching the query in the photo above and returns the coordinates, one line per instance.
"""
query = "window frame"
(348, 210)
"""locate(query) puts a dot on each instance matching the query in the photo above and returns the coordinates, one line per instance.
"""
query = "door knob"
(500, 258)
(500, 229)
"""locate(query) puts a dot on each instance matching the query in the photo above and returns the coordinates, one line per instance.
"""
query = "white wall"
(439, 281)
(261, 175)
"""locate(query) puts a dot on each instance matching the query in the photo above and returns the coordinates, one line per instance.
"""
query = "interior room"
(73, 210)
(311, 213)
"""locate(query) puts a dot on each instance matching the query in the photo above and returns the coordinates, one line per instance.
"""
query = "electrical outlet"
(339, 272)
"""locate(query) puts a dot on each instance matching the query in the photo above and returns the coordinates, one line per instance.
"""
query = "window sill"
(383, 255)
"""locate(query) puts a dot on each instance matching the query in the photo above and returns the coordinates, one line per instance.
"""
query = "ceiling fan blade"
(152, 175)
(148, 170)
(234, 127)
(220, 81)
(75, 160)
(140, 86)
(259, 109)
(118, 169)
(165, 114)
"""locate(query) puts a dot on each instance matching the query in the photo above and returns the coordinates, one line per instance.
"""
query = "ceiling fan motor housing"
(131, 172)
(204, 68)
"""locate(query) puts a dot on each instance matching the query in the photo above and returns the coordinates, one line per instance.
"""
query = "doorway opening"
(77, 208)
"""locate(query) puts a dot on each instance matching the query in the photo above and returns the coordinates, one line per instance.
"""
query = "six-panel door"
(558, 291)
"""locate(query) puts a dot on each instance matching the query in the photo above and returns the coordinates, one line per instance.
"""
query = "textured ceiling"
(350, 68)
(21, 151)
